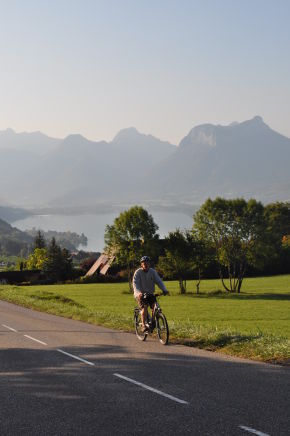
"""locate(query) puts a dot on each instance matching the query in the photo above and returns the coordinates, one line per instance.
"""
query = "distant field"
(254, 324)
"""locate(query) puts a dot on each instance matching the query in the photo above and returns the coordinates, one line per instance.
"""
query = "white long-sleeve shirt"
(145, 282)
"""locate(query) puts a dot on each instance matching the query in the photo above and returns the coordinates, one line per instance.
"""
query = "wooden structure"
(101, 266)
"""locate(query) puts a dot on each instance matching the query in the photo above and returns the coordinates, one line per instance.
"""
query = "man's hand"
(139, 297)
(166, 293)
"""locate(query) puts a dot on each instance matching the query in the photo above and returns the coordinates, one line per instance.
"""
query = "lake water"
(93, 226)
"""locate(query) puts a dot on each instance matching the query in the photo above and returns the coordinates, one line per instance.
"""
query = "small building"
(101, 266)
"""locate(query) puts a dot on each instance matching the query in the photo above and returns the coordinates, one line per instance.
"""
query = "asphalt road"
(126, 387)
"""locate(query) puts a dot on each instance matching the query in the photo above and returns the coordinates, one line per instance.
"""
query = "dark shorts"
(146, 300)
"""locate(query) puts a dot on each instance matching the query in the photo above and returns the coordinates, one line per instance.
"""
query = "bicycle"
(158, 320)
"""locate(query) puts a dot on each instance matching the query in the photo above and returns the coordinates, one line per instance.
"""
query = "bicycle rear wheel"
(138, 326)
(162, 328)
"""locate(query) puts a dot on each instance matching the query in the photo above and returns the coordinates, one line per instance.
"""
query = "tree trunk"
(182, 286)
(241, 277)
(230, 278)
(223, 283)
(198, 282)
(130, 277)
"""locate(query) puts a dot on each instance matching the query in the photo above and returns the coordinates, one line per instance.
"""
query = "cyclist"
(144, 281)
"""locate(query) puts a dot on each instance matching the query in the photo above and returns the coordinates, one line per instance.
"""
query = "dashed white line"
(9, 328)
(252, 430)
(76, 357)
(36, 340)
(149, 388)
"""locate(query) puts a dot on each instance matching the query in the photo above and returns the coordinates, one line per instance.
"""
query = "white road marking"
(36, 340)
(76, 357)
(252, 430)
(9, 328)
(151, 389)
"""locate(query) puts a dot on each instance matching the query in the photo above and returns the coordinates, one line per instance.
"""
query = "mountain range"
(246, 159)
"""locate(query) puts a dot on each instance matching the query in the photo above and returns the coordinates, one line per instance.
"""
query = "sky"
(163, 66)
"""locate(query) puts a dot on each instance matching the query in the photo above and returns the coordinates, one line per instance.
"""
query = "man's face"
(145, 266)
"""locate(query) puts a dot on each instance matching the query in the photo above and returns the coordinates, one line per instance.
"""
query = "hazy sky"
(163, 66)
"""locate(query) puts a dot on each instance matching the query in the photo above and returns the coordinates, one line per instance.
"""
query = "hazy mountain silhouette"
(35, 142)
(109, 170)
(78, 171)
(7, 232)
(243, 159)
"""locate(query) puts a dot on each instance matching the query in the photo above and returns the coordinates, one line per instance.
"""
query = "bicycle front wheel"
(162, 328)
(138, 327)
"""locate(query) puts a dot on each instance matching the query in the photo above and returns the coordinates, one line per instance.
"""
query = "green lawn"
(253, 324)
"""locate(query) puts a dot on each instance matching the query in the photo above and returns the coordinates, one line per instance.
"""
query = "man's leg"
(144, 312)
(143, 309)
(153, 314)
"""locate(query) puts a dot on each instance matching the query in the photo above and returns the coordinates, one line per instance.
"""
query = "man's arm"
(160, 283)
(137, 284)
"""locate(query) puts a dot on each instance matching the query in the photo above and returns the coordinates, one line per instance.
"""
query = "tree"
(39, 240)
(201, 256)
(132, 234)
(277, 216)
(236, 229)
(278, 219)
(58, 264)
(37, 259)
(66, 267)
(177, 261)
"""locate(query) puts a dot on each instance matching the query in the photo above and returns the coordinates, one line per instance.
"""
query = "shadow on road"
(59, 395)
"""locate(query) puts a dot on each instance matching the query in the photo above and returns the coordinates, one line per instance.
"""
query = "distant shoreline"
(12, 214)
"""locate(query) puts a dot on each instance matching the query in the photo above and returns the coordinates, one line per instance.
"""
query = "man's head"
(145, 263)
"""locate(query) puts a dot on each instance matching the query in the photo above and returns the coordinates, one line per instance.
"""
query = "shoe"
(144, 329)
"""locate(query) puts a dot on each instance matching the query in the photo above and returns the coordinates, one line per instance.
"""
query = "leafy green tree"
(277, 216)
(37, 259)
(201, 256)
(177, 261)
(132, 235)
(236, 229)
(278, 219)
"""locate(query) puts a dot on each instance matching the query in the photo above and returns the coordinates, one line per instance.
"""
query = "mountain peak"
(258, 119)
(202, 135)
(128, 133)
(75, 137)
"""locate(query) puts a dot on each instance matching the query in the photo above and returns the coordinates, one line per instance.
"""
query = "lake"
(93, 226)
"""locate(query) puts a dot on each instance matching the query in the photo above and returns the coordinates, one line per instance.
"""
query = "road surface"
(64, 377)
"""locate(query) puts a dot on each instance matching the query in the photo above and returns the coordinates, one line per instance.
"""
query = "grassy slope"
(254, 324)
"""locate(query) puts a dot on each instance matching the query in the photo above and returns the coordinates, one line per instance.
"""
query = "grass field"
(254, 324)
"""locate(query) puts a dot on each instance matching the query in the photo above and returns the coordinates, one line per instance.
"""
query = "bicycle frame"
(151, 319)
